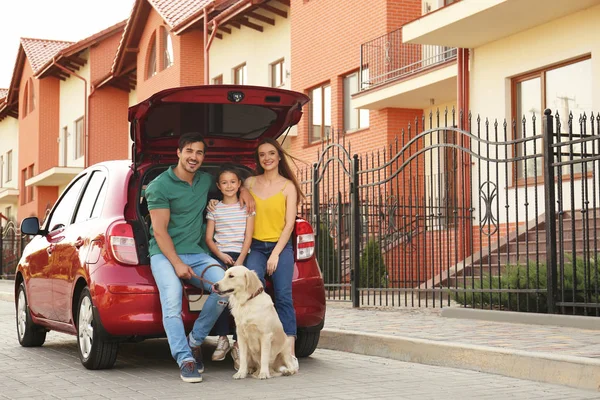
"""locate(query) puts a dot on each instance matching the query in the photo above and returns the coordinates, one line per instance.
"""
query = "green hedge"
(516, 277)
(373, 273)
(327, 256)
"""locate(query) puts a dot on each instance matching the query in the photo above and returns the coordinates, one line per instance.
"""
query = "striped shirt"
(230, 226)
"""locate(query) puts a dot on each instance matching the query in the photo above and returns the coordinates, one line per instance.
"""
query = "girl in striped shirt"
(229, 232)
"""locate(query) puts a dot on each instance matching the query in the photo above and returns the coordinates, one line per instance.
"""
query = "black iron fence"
(387, 58)
(12, 244)
(460, 211)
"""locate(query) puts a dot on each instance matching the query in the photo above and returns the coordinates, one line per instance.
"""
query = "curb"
(568, 321)
(577, 372)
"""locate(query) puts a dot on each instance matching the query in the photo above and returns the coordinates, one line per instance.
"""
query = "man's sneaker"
(189, 372)
(235, 354)
(197, 353)
(222, 349)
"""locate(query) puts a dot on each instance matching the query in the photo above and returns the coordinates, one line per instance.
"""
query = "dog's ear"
(252, 282)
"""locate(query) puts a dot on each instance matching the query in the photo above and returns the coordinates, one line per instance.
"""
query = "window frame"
(311, 139)
(99, 199)
(79, 139)
(355, 110)
(23, 192)
(273, 73)
(26, 99)
(152, 65)
(167, 50)
(244, 68)
(9, 169)
(30, 191)
(537, 73)
(84, 178)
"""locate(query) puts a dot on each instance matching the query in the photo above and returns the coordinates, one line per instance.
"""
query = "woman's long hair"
(284, 167)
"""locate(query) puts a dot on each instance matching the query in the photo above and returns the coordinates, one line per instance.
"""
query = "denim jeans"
(171, 301)
(222, 324)
(282, 279)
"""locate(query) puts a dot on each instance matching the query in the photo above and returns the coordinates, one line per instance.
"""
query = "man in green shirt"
(176, 200)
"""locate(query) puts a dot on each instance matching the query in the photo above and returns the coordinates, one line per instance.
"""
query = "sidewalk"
(546, 353)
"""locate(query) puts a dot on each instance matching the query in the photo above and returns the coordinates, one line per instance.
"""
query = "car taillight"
(122, 243)
(305, 240)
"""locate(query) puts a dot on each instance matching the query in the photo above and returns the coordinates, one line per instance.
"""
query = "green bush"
(516, 277)
(327, 256)
(373, 273)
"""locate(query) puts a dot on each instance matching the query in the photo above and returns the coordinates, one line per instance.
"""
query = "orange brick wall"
(108, 125)
(38, 134)
(327, 47)
(191, 58)
(102, 56)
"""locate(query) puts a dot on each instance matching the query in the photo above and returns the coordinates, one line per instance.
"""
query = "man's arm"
(160, 221)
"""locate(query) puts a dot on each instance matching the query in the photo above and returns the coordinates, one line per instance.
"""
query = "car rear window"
(241, 121)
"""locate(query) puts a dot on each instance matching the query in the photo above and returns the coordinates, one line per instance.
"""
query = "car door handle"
(79, 242)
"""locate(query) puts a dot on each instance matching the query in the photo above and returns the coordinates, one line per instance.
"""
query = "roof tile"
(40, 51)
(175, 12)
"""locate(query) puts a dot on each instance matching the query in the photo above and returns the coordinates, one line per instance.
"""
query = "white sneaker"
(222, 349)
(296, 364)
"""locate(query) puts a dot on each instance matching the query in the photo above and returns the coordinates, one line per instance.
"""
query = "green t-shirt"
(186, 203)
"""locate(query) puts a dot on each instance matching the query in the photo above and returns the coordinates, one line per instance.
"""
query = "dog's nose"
(216, 286)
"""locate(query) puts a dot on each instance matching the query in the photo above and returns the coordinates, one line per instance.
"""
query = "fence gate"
(9, 243)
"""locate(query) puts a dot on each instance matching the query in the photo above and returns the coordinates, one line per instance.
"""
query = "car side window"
(63, 212)
(93, 198)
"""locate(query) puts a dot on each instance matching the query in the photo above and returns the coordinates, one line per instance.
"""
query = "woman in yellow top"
(275, 190)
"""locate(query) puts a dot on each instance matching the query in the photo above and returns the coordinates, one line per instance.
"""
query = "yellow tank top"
(270, 216)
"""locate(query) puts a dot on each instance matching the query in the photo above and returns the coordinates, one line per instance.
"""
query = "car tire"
(306, 343)
(28, 333)
(94, 351)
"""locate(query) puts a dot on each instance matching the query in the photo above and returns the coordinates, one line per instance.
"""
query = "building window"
(152, 58)
(22, 185)
(9, 165)
(26, 99)
(240, 75)
(31, 96)
(278, 74)
(168, 50)
(353, 118)
(320, 113)
(218, 80)
(79, 138)
(30, 192)
(565, 89)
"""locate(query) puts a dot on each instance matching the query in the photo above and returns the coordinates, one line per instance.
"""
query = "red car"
(86, 271)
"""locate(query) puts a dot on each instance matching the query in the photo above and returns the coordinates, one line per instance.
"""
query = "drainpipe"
(464, 195)
(85, 112)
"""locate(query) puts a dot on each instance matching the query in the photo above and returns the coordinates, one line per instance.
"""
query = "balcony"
(9, 195)
(55, 176)
(404, 75)
(473, 23)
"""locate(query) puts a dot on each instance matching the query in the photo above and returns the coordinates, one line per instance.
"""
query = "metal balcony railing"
(386, 59)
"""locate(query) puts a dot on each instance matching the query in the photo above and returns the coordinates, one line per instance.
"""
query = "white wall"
(72, 107)
(9, 140)
(495, 64)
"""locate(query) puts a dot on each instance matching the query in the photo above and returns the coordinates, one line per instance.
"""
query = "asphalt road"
(146, 370)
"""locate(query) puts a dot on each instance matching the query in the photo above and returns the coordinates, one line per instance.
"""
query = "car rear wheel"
(306, 342)
(29, 334)
(94, 351)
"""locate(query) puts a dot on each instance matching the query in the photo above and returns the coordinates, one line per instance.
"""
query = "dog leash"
(201, 279)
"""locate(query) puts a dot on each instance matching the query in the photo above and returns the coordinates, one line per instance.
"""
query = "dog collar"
(259, 291)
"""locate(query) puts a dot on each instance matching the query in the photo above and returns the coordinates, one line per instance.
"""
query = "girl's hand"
(212, 205)
(272, 264)
(226, 258)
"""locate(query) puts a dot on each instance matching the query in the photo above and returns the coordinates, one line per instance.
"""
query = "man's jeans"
(171, 294)
(282, 279)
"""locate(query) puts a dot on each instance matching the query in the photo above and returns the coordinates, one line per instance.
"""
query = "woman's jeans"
(282, 279)
(222, 325)
(171, 301)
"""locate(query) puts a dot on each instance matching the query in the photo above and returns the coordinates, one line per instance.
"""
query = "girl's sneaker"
(222, 349)
(235, 354)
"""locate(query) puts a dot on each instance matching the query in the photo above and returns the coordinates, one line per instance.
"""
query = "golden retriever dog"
(264, 347)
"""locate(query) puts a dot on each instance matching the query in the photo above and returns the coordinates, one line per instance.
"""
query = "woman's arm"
(291, 199)
(247, 240)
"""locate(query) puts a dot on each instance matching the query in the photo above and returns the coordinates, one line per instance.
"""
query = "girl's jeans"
(282, 279)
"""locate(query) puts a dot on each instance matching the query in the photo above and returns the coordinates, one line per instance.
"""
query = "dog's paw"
(239, 375)
(263, 375)
(286, 372)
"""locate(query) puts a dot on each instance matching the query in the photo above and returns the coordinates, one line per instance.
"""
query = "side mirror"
(30, 226)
